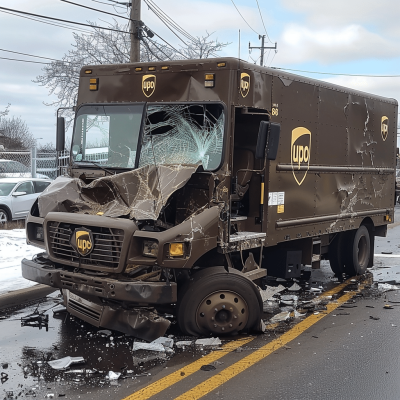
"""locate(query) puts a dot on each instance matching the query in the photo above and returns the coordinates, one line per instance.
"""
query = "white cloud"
(299, 44)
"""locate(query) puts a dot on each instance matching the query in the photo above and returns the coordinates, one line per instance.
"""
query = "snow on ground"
(13, 249)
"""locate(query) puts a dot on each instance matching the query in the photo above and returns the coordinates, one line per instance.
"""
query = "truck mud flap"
(143, 323)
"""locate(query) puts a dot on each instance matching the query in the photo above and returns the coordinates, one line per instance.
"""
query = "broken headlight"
(150, 248)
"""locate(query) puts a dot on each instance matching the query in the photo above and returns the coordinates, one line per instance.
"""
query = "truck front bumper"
(139, 292)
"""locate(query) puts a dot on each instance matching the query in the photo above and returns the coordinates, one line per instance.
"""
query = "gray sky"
(341, 36)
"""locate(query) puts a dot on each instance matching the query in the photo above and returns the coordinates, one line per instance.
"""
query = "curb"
(21, 296)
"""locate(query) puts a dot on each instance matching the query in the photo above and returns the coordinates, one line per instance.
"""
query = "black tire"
(4, 217)
(219, 303)
(360, 253)
(337, 251)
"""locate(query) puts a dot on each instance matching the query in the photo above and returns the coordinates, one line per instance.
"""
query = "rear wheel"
(218, 302)
(359, 255)
(337, 251)
(4, 218)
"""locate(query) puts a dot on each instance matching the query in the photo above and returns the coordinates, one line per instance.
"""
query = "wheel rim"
(362, 252)
(3, 217)
(222, 312)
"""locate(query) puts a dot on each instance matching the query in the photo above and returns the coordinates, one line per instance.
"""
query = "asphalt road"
(339, 353)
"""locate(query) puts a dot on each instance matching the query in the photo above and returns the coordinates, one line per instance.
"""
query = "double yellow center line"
(230, 372)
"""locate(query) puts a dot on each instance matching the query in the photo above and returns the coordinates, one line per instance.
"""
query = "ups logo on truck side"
(82, 241)
(244, 84)
(148, 84)
(300, 153)
(384, 127)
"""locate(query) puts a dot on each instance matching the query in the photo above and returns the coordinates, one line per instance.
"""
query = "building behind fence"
(49, 163)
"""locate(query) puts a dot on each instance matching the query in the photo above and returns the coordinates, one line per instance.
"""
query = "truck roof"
(213, 64)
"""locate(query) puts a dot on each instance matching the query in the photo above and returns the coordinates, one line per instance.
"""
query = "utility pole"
(262, 48)
(135, 31)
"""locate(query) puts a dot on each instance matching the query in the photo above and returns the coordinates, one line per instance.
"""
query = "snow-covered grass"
(13, 249)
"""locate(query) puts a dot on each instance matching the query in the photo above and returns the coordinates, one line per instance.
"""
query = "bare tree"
(16, 134)
(5, 112)
(110, 47)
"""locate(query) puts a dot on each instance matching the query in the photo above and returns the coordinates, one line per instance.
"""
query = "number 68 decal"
(275, 112)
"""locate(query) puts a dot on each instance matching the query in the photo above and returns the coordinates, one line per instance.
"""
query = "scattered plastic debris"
(104, 332)
(374, 318)
(270, 291)
(386, 274)
(208, 342)
(49, 396)
(295, 287)
(59, 309)
(283, 316)
(208, 367)
(148, 346)
(165, 341)
(388, 307)
(113, 376)
(183, 343)
(4, 377)
(64, 363)
(36, 320)
(385, 287)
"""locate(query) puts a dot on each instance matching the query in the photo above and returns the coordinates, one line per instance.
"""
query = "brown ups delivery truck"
(189, 180)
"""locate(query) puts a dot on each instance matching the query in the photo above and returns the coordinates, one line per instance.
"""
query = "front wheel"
(219, 303)
(4, 216)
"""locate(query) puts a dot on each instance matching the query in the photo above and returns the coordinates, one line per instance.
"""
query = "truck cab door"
(20, 205)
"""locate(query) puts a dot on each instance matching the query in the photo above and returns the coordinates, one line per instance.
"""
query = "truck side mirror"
(273, 141)
(60, 139)
(262, 140)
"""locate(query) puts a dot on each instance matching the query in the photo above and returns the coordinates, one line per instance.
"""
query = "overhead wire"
(48, 23)
(244, 18)
(94, 9)
(259, 10)
(28, 61)
(31, 55)
(102, 2)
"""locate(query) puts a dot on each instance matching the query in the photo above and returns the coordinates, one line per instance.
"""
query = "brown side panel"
(297, 106)
(349, 174)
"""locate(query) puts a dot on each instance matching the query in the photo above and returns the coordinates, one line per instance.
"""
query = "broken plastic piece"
(208, 342)
(64, 363)
(270, 291)
(105, 332)
(388, 307)
(283, 316)
(208, 367)
(113, 376)
(183, 343)
(294, 288)
(148, 346)
(36, 320)
(59, 309)
(385, 287)
(166, 342)
(49, 396)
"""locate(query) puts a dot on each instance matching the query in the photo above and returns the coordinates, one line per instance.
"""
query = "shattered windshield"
(107, 135)
(183, 134)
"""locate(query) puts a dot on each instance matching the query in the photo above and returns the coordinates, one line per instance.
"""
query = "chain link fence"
(33, 164)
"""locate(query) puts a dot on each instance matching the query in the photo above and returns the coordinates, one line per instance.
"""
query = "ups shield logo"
(300, 153)
(148, 84)
(82, 241)
(244, 84)
(384, 127)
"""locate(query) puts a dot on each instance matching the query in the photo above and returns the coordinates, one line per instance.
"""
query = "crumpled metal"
(140, 193)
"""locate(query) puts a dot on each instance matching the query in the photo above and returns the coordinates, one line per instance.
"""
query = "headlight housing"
(150, 248)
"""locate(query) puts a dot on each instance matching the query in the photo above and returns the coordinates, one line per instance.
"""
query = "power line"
(244, 19)
(94, 9)
(102, 2)
(48, 23)
(64, 20)
(28, 61)
(31, 55)
(263, 21)
(333, 73)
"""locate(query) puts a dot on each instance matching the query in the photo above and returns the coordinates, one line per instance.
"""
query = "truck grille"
(106, 251)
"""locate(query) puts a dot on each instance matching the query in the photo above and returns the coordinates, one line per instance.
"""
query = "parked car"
(17, 196)
(15, 169)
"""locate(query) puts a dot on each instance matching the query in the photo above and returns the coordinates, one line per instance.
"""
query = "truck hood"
(140, 193)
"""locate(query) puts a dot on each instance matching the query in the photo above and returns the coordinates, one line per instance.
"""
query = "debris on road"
(36, 320)
(270, 291)
(59, 309)
(208, 342)
(374, 318)
(208, 367)
(386, 274)
(282, 316)
(295, 287)
(113, 376)
(385, 287)
(183, 343)
(388, 307)
(64, 363)
(165, 341)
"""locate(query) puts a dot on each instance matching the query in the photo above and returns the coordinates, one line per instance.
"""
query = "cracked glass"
(107, 135)
(183, 134)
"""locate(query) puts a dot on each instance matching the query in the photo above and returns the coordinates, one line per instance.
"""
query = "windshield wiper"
(98, 165)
